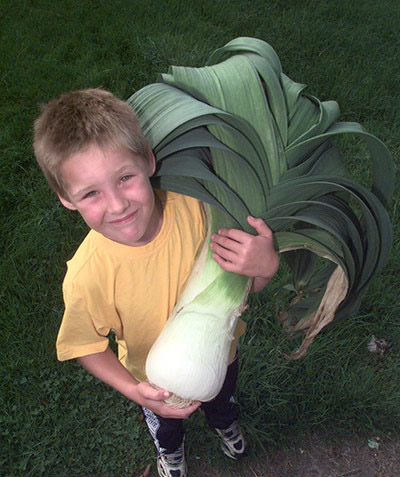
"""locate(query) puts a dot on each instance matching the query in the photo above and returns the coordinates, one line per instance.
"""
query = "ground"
(353, 457)
(356, 456)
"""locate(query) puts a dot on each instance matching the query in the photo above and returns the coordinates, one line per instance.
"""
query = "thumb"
(260, 226)
(155, 394)
(161, 394)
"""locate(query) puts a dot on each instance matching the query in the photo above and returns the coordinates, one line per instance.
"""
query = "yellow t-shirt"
(130, 290)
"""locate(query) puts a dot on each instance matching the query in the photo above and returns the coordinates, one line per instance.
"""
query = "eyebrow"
(123, 168)
(82, 192)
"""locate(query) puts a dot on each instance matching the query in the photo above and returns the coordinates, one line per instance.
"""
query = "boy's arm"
(108, 369)
(250, 255)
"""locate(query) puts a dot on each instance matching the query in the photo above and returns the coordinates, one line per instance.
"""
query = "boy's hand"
(152, 399)
(250, 255)
(106, 366)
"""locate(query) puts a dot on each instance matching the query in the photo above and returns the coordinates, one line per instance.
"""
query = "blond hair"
(70, 124)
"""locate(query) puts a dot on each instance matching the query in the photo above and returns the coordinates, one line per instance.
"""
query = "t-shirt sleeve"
(82, 331)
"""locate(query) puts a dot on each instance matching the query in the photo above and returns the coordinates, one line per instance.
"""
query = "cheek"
(150, 197)
(143, 193)
(92, 215)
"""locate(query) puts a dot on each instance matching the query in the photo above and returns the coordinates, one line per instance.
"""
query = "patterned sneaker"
(172, 465)
(232, 441)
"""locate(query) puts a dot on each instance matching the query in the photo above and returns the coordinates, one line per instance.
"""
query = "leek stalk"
(200, 329)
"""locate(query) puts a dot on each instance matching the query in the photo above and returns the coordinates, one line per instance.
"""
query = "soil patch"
(355, 456)
(359, 457)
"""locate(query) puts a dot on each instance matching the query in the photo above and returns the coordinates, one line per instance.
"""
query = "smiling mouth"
(125, 219)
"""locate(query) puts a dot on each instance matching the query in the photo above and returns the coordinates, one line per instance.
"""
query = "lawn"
(57, 420)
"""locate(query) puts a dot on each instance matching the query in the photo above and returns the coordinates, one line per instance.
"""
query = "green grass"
(58, 420)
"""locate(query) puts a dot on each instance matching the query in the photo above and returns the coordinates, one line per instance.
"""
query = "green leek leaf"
(243, 137)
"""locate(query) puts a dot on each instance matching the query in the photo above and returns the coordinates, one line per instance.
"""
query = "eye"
(126, 178)
(92, 193)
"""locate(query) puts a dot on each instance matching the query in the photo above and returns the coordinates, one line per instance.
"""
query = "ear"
(151, 161)
(66, 203)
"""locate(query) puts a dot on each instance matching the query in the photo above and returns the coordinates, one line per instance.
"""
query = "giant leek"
(242, 137)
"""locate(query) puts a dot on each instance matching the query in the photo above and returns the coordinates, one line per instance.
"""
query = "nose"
(116, 203)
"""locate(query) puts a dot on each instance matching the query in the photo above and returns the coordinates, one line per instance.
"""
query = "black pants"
(221, 412)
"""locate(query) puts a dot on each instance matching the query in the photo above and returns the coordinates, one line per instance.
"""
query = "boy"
(129, 271)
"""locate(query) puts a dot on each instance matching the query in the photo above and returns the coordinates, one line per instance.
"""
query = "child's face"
(111, 190)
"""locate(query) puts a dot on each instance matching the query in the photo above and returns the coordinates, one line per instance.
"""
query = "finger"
(163, 395)
(233, 234)
(234, 241)
(224, 264)
(260, 226)
(179, 413)
(155, 394)
(223, 252)
(187, 411)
